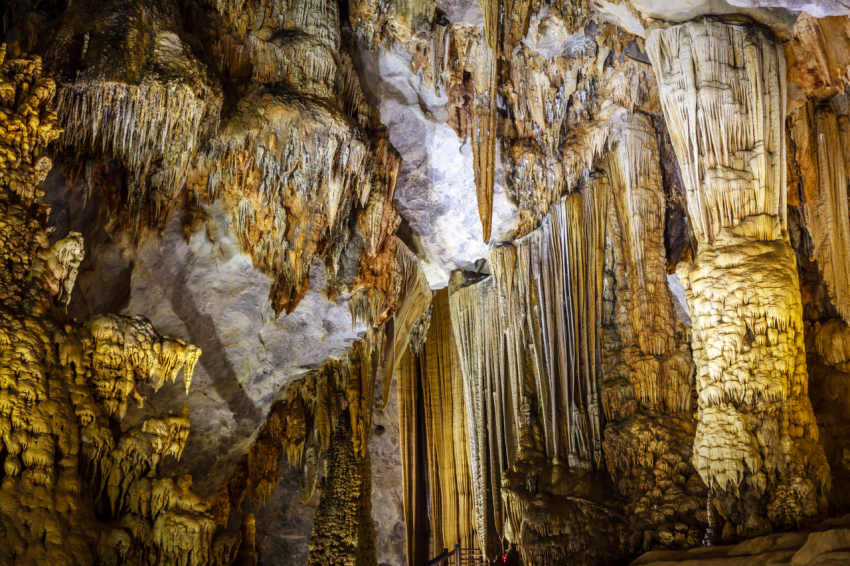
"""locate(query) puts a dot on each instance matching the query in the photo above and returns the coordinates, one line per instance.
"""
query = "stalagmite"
(647, 365)
(326, 416)
(723, 93)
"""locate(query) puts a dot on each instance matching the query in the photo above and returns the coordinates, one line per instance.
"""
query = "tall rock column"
(722, 89)
(647, 368)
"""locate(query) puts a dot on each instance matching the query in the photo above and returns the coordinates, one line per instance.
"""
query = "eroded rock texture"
(647, 368)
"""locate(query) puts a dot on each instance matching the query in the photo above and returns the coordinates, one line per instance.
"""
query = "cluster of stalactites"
(303, 154)
(527, 344)
(139, 96)
(302, 162)
(124, 347)
(729, 140)
(822, 151)
(434, 365)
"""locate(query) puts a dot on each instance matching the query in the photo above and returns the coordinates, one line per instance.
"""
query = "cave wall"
(634, 216)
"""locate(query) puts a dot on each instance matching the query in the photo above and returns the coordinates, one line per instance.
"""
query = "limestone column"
(722, 89)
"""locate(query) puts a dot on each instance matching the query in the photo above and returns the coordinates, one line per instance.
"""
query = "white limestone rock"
(436, 188)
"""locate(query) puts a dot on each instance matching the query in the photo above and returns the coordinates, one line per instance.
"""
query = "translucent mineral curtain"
(438, 497)
(528, 348)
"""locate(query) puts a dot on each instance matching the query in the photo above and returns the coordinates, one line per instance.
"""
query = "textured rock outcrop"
(826, 543)
(552, 164)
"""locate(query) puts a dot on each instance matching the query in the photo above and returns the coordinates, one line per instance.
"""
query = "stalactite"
(742, 287)
(138, 98)
(527, 344)
(729, 141)
(484, 124)
(412, 297)
(430, 381)
(820, 154)
(60, 382)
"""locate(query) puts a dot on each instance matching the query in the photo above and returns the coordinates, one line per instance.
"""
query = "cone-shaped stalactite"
(326, 416)
(723, 92)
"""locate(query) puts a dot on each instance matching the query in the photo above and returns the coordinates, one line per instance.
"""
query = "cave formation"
(354, 282)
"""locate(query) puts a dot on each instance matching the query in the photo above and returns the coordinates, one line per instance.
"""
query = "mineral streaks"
(819, 142)
(730, 140)
(431, 391)
(527, 345)
(756, 433)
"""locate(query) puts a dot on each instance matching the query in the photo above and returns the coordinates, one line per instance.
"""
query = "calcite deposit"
(319, 282)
